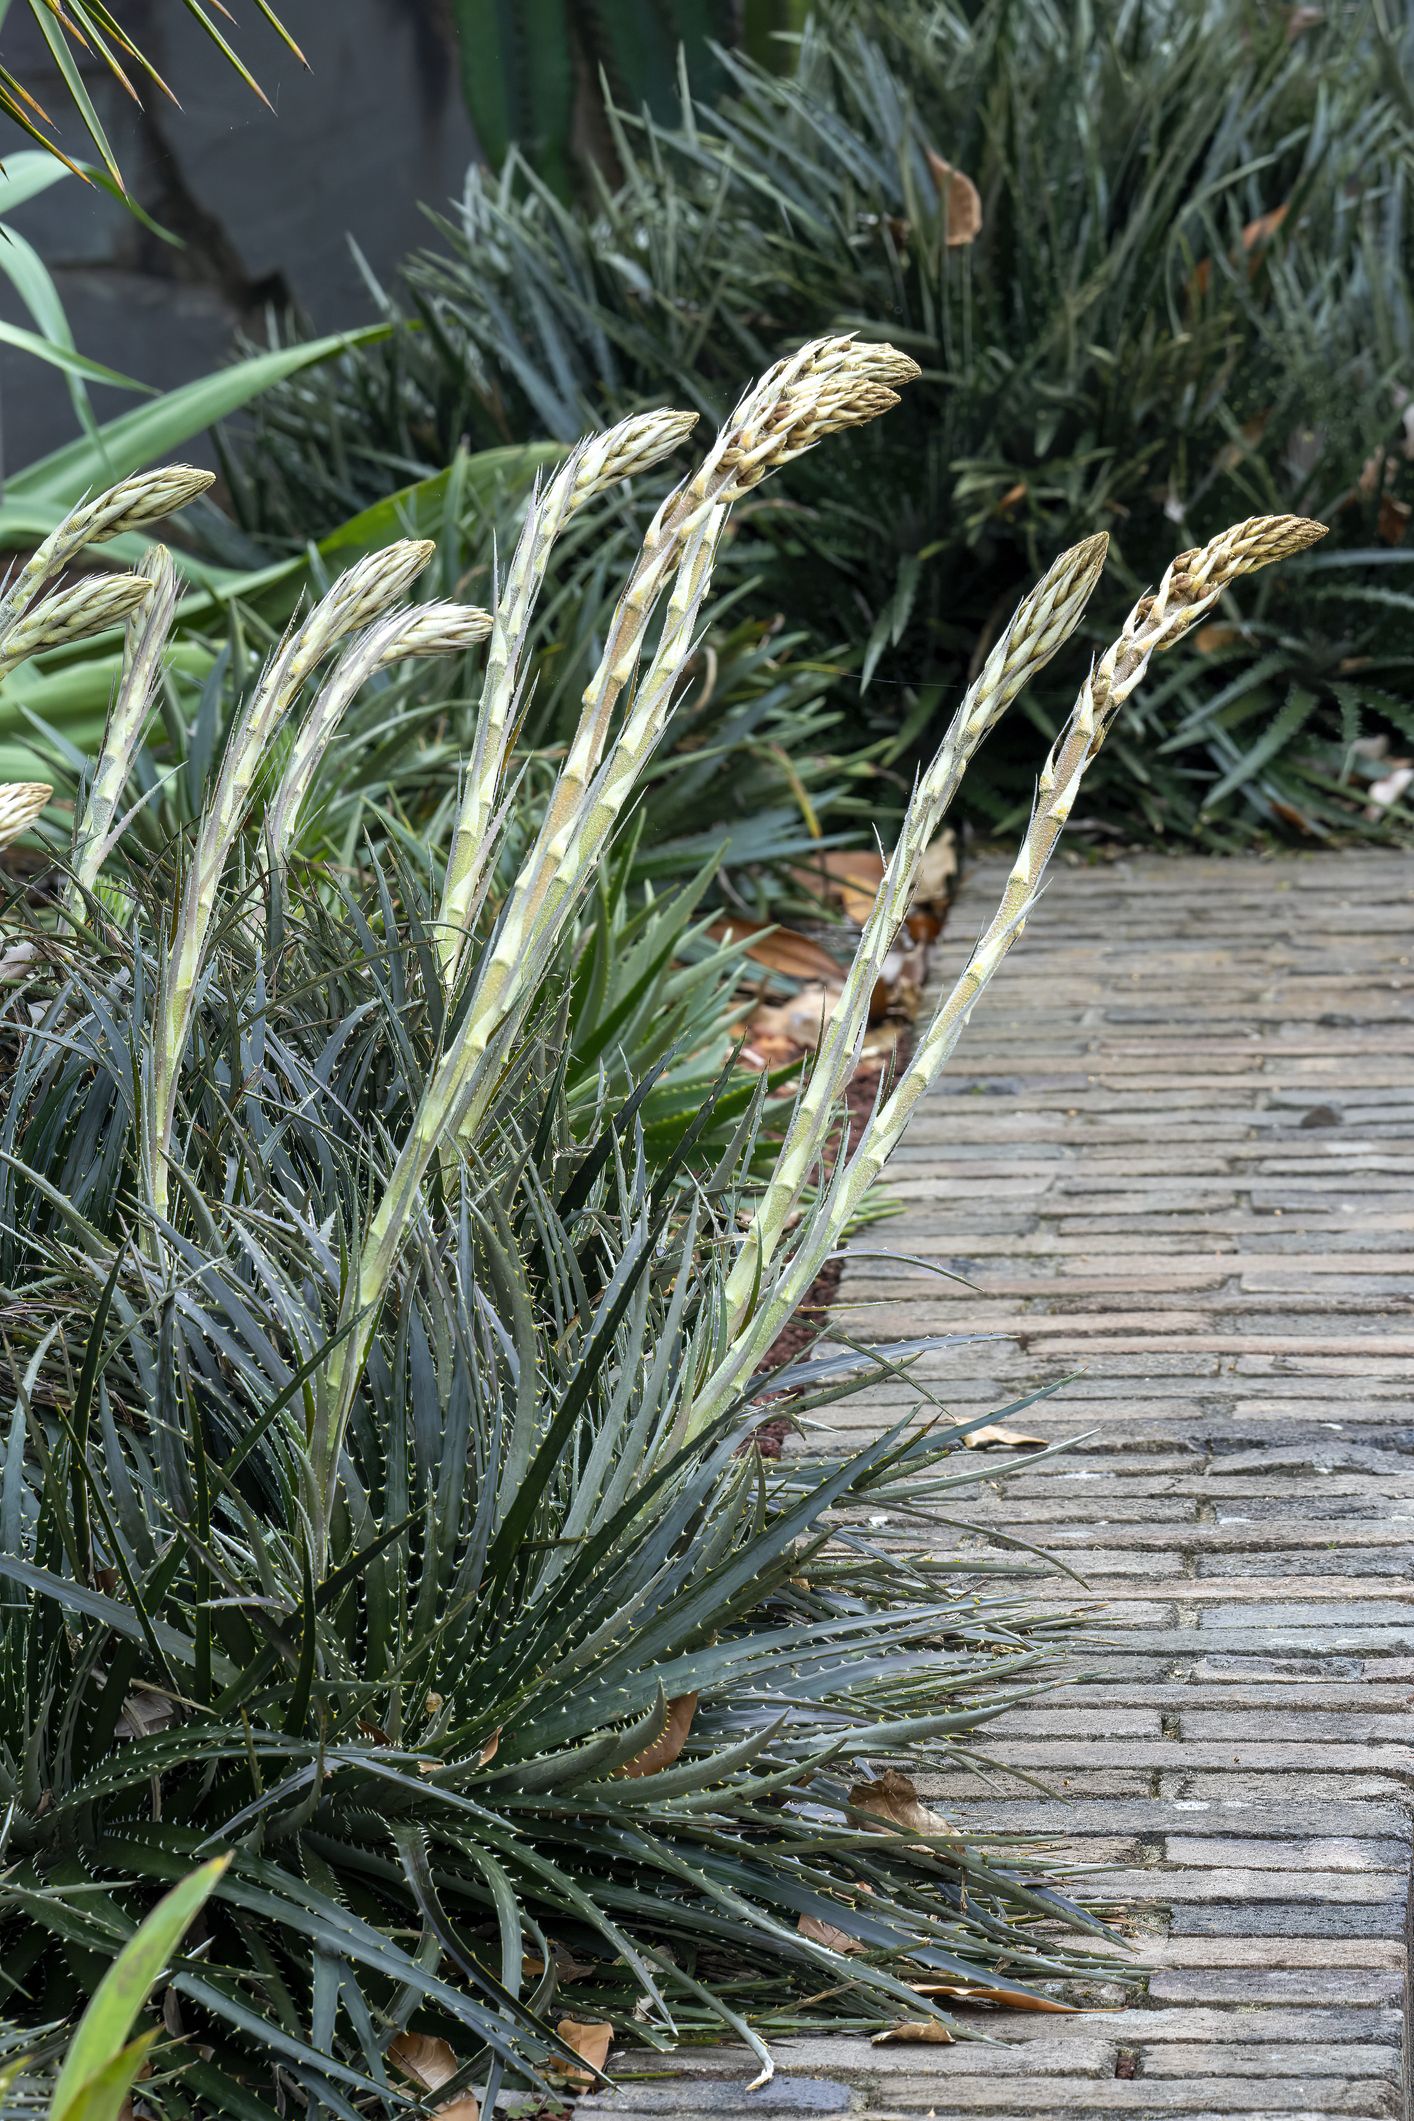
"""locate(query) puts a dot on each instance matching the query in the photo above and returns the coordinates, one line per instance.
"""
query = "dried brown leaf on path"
(937, 879)
(927, 2030)
(430, 2063)
(567, 1967)
(850, 877)
(826, 1933)
(994, 1435)
(893, 1797)
(591, 2039)
(1393, 519)
(1012, 1999)
(937, 872)
(899, 987)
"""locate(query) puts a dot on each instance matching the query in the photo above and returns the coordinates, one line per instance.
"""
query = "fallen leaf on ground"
(892, 1796)
(782, 950)
(145, 1712)
(1013, 1999)
(882, 1043)
(994, 1434)
(591, 2039)
(933, 889)
(1297, 819)
(848, 878)
(937, 871)
(430, 2063)
(818, 1932)
(960, 198)
(665, 1748)
(763, 1054)
(927, 2029)
(780, 1030)
(567, 1967)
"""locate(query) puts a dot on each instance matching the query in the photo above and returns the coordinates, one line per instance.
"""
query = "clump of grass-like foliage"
(374, 1505)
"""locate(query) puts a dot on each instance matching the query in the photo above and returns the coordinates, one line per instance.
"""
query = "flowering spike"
(21, 802)
(85, 607)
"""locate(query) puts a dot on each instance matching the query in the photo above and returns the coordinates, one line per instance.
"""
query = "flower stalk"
(72, 614)
(828, 385)
(627, 708)
(354, 600)
(130, 505)
(595, 466)
(440, 628)
(1190, 587)
(148, 627)
(1041, 624)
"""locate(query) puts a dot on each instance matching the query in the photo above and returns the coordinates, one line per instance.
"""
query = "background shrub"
(1154, 262)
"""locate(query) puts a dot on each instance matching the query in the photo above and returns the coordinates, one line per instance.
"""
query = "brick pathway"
(1176, 1147)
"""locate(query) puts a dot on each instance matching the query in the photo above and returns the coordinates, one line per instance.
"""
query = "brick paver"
(1177, 1149)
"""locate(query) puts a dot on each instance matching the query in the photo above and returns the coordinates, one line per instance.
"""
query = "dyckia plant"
(377, 1504)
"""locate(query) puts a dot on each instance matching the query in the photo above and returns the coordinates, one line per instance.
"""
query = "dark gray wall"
(265, 202)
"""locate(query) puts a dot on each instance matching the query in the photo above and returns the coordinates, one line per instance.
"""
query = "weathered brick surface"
(1179, 1152)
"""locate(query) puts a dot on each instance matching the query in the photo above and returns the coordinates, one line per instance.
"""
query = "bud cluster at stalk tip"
(1244, 548)
(85, 607)
(145, 498)
(635, 445)
(21, 802)
(828, 385)
(438, 628)
(1195, 580)
(371, 585)
(1191, 586)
